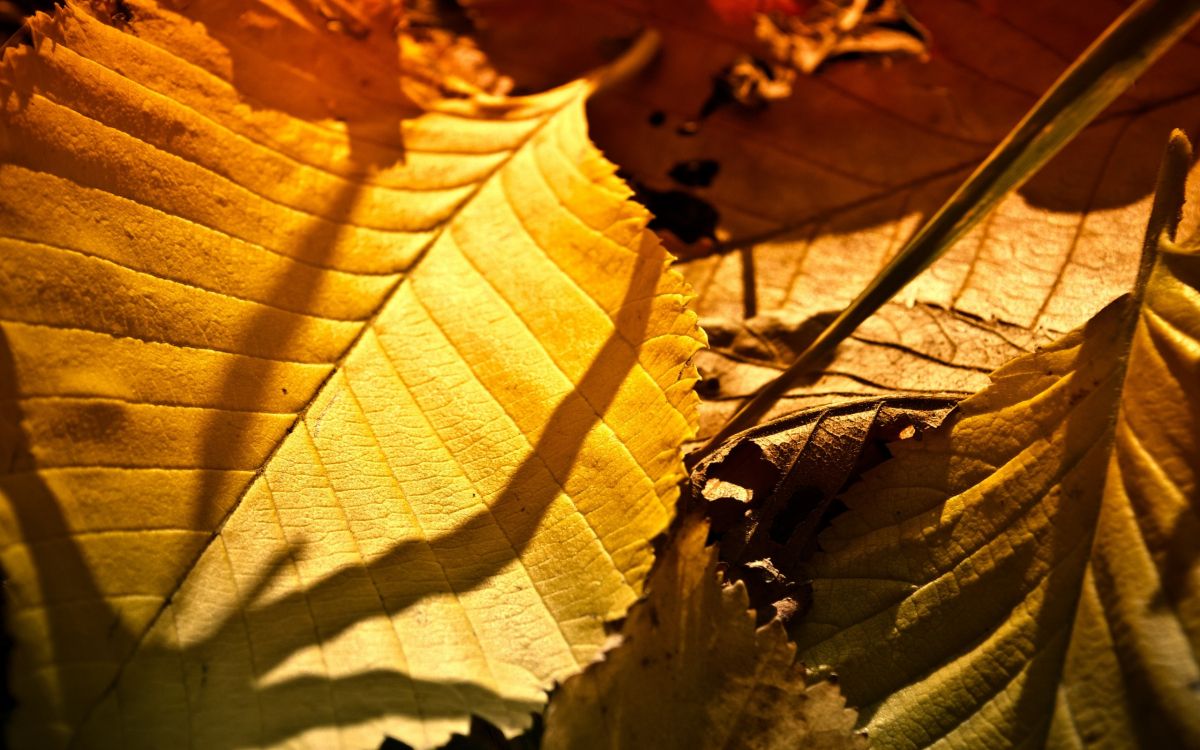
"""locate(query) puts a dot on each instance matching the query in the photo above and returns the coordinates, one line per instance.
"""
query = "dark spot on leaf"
(695, 172)
(120, 15)
(796, 510)
(687, 217)
(97, 421)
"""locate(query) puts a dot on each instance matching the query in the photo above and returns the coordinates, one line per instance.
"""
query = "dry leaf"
(1027, 574)
(693, 672)
(832, 29)
(768, 490)
(815, 192)
(326, 415)
(918, 351)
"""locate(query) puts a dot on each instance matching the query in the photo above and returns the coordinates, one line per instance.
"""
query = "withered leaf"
(918, 350)
(327, 410)
(768, 489)
(694, 673)
(815, 192)
(1027, 575)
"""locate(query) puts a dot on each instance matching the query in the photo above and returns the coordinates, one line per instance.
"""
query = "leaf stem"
(1112, 62)
(632, 60)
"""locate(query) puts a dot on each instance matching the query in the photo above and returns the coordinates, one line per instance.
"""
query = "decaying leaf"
(831, 29)
(327, 415)
(1027, 573)
(918, 351)
(815, 193)
(768, 489)
(693, 672)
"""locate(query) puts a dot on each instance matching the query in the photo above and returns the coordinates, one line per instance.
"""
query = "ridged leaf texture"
(693, 672)
(328, 415)
(1026, 575)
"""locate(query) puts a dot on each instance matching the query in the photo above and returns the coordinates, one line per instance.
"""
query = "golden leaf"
(327, 415)
(693, 672)
(1027, 573)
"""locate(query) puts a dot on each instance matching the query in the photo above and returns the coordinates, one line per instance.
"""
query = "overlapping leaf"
(768, 490)
(693, 672)
(916, 350)
(815, 192)
(1027, 574)
(327, 415)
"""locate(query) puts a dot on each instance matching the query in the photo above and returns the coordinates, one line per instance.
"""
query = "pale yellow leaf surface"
(815, 192)
(326, 415)
(1027, 575)
(693, 672)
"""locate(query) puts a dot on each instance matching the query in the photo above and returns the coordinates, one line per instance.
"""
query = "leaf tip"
(1169, 193)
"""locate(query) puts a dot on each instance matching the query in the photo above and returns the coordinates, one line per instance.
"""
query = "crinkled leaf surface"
(693, 672)
(768, 489)
(326, 415)
(1028, 573)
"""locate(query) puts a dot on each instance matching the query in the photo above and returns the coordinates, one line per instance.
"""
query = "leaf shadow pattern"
(64, 571)
(287, 625)
(375, 143)
(978, 615)
(921, 631)
(67, 576)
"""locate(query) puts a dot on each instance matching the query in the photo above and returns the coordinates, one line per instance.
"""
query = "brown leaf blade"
(693, 672)
(769, 490)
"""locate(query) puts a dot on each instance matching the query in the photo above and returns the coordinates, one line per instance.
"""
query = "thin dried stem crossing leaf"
(1099, 76)
(1027, 574)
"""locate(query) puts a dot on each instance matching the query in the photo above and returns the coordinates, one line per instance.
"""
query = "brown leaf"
(814, 193)
(693, 672)
(768, 489)
(919, 350)
(832, 29)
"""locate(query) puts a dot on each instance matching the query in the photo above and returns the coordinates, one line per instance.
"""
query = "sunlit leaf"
(814, 193)
(328, 415)
(916, 350)
(1027, 573)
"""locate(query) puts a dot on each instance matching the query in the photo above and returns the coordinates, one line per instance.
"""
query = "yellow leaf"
(693, 672)
(327, 415)
(1027, 573)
